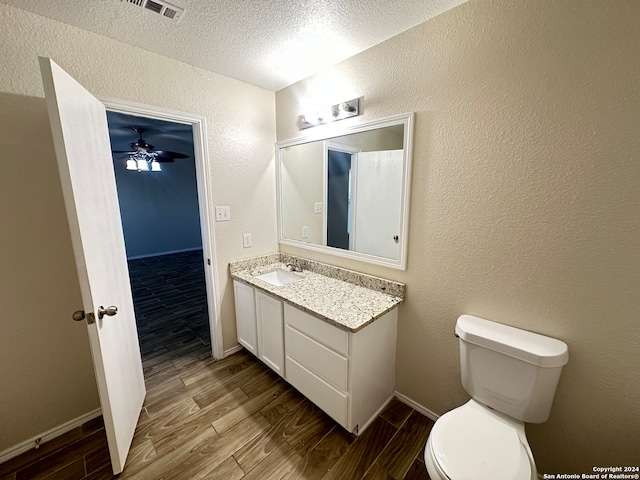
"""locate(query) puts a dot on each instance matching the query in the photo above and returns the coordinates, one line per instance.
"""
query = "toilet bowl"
(511, 375)
(472, 442)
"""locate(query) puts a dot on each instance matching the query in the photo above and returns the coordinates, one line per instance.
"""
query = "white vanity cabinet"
(349, 375)
(270, 334)
(259, 325)
(246, 328)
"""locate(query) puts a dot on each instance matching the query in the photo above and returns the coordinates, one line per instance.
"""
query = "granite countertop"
(344, 303)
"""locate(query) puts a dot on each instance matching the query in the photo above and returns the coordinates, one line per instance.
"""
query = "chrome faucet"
(293, 267)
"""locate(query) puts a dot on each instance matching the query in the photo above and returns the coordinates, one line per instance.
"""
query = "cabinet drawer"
(331, 401)
(326, 363)
(319, 330)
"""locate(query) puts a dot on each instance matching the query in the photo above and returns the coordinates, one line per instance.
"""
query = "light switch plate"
(317, 207)
(223, 214)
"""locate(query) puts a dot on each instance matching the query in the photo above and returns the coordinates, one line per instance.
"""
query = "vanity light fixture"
(336, 112)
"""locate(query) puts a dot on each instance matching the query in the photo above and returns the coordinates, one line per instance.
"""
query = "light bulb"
(143, 166)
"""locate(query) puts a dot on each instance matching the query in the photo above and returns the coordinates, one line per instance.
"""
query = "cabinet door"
(246, 316)
(270, 333)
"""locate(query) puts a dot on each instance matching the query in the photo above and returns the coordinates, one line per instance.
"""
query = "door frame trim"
(203, 174)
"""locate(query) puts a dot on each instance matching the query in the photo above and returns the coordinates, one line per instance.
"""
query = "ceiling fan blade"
(167, 153)
(140, 146)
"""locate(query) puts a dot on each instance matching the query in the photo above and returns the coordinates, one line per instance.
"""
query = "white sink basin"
(280, 277)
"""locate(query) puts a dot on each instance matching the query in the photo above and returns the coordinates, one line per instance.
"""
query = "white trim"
(232, 350)
(375, 415)
(29, 444)
(207, 226)
(159, 254)
(416, 406)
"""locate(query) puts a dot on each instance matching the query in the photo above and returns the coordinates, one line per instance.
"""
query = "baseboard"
(375, 415)
(158, 254)
(416, 406)
(27, 445)
(232, 350)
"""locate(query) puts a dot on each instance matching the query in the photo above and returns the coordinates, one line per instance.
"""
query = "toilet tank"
(511, 370)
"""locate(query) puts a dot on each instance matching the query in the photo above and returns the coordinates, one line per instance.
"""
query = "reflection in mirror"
(348, 195)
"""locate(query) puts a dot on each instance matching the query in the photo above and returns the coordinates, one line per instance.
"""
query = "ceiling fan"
(144, 157)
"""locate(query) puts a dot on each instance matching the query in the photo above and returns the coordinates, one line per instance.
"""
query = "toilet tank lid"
(530, 347)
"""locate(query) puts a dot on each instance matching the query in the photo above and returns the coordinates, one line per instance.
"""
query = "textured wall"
(46, 377)
(525, 201)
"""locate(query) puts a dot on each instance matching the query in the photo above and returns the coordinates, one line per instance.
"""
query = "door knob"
(109, 311)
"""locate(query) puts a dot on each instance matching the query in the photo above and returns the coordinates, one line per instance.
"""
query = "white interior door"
(377, 208)
(80, 133)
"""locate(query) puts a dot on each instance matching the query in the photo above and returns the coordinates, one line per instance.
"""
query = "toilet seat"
(470, 442)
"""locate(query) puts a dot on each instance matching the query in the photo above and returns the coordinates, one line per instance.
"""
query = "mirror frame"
(326, 134)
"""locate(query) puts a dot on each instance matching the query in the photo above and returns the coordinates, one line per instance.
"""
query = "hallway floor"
(170, 301)
(230, 419)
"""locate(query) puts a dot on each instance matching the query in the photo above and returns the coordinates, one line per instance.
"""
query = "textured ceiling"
(268, 43)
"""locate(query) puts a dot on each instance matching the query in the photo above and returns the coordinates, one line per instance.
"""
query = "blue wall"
(159, 210)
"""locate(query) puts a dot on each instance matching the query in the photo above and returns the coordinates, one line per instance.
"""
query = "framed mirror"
(348, 194)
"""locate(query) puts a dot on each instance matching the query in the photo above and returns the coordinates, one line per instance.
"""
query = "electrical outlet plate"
(317, 207)
(246, 240)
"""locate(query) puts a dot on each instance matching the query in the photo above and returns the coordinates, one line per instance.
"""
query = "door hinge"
(208, 261)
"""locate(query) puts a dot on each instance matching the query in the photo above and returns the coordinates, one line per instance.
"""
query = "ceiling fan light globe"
(132, 164)
(143, 166)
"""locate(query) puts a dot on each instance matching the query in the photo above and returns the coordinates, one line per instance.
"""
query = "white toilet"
(511, 375)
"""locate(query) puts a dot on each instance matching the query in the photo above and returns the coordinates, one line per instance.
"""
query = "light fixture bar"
(339, 111)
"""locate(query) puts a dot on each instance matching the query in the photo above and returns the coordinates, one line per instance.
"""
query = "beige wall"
(525, 201)
(46, 377)
(302, 186)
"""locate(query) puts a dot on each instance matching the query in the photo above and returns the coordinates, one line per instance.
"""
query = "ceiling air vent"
(158, 6)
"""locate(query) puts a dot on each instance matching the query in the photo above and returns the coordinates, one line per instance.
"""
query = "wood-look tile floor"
(230, 419)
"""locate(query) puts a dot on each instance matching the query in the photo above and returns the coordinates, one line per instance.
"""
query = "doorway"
(168, 231)
(163, 237)
(338, 198)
